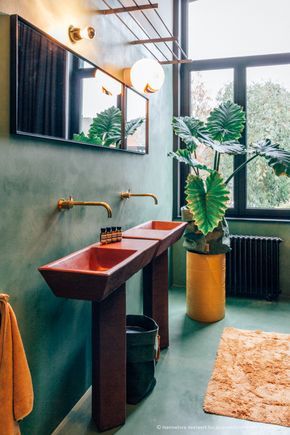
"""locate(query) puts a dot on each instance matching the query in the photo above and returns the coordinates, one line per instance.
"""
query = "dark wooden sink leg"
(155, 295)
(109, 360)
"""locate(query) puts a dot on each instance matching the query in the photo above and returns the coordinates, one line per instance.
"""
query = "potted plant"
(207, 196)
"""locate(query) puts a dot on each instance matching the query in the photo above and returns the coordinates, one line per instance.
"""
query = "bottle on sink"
(114, 235)
(103, 236)
(109, 235)
(119, 234)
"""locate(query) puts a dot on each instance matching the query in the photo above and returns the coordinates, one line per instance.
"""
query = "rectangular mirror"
(57, 94)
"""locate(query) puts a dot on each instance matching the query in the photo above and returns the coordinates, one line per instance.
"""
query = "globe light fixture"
(108, 84)
(146, 76)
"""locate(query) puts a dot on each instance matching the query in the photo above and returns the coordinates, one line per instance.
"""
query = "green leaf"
(133, 125)
(190, 130)
(107, 126)
(207, 201)
(185, 156)
(83, 138)
(226, 122)
(277, 158)
(227, 147)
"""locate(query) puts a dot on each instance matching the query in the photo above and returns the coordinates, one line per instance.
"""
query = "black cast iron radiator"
(253, 267)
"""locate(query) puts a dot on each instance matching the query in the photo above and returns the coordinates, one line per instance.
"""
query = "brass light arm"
(67, 204)
(127, 195)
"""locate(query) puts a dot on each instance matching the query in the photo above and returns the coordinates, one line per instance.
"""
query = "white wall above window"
(231, 28)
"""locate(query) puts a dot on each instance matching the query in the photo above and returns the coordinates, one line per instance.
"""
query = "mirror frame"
(14, 37)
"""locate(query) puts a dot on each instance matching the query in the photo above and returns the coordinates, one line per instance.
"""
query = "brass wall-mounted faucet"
(128, 194)
(67, 204)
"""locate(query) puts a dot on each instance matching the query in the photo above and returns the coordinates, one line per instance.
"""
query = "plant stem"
(218, 161)
(215, 161)
(197, 170)
(239, 168)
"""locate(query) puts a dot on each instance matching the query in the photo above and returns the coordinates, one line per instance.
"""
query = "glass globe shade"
(147, 76)
(108, 84)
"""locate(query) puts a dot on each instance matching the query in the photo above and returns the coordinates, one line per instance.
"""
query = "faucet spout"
(108, 208)
(128, 194)
(155, 199)
(67, 204)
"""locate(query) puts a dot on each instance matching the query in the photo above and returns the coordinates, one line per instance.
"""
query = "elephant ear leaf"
(185, 156)
(226, 122)
(133, 125)
(107, 126)
(81, 137)
(277, 158)
(228, 147)
(207, 201)
(190, 130)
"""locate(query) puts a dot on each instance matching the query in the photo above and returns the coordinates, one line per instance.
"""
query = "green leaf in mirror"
(106, 128)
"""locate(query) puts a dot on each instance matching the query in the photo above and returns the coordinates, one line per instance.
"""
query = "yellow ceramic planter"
(205, 287)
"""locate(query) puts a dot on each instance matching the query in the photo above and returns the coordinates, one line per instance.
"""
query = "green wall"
(281, 230)
(34, 174)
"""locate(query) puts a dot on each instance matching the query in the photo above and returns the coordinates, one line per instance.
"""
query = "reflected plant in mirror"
(101, 119)
(106, 129)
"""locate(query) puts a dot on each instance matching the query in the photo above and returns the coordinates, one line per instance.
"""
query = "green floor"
(175, 406)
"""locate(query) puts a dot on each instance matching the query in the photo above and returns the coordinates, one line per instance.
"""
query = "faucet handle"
(125, 195)
(65, 203)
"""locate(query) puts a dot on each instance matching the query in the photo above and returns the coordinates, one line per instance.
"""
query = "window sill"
(250, 219)
(256, 219)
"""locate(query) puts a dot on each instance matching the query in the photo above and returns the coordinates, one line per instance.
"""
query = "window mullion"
(240, 184)
(184, 96)
(184, 111)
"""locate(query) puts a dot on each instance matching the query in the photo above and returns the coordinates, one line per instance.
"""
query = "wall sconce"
(108, 84)
(76, 34)
(146, 75)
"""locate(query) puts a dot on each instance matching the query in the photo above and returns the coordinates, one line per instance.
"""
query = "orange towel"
(16, 391)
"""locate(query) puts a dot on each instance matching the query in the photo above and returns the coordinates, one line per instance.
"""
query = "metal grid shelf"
(160, 42)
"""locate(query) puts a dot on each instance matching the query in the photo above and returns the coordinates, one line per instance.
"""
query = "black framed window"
(261, 85)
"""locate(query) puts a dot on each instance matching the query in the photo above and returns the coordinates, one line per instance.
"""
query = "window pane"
(230, 28)
(208, 90)
(268, 116)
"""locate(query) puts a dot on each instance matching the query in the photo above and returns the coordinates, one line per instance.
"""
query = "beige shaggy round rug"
(251, 377)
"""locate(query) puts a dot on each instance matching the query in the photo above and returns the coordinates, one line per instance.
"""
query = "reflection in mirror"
(42, 69)
(136, 119)
(101, 115)
(60, 95)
